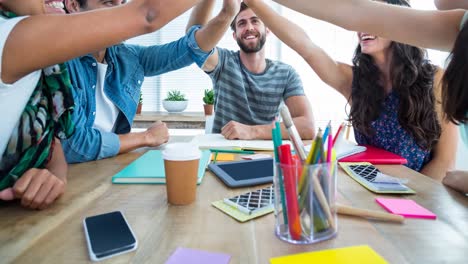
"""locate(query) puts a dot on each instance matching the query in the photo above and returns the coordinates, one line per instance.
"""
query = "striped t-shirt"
(250, 98)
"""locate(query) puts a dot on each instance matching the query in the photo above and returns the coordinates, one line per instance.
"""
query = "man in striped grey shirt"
(248, 87)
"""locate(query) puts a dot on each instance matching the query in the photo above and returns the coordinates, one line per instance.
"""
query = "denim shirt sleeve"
(198, 55)
(159, 59)
(88, 143)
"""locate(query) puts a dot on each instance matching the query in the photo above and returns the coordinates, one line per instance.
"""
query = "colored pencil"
(338, 133)
(290, 191)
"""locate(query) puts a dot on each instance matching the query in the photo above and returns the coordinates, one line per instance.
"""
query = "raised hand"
(231, 7)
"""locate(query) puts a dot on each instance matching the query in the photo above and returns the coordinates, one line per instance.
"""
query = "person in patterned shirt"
(35, 98)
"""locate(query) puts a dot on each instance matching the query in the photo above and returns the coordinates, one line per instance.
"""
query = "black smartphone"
(108, 235)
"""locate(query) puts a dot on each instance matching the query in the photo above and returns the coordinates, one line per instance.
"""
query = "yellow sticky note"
(349, 255)
(223, 157)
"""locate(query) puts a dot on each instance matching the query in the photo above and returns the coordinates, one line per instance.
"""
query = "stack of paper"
(345, 148)
(218, 140)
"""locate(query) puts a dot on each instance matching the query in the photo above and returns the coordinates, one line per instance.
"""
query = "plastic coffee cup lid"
(181, 151)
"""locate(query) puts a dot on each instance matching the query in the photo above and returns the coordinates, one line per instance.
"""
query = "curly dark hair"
(412, 78)
(455, 80)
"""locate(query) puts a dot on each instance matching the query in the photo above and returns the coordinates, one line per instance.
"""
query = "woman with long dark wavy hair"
(441, 30)
(392, 89)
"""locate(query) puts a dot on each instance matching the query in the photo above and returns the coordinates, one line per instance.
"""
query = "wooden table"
(183, 120)
(56, 235)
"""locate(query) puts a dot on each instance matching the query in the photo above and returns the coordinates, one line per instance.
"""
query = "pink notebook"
(406, 208)
(375, 156)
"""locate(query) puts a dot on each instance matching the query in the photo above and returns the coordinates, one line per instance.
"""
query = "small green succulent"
(175, 95)
(209, 96)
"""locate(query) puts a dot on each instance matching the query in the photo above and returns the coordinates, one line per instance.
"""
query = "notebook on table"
(375, 156)
(149, 168)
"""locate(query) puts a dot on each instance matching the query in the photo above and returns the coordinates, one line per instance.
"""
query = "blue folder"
(149, 169)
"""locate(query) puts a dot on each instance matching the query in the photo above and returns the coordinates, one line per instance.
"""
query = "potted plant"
(140, 104)
(175, 101)
(208, 99)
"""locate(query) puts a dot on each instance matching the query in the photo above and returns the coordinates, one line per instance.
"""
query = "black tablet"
(245, 172)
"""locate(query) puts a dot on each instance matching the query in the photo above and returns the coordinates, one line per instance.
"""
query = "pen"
(232, 151)
(329, 146)
(237, 206)
(293, 134)
(276, 136)
(348, 210)
(327, 130)
(289, 176)
(348, 129)
(335, 138)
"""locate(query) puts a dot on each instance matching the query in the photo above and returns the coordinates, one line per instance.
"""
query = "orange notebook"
(375, 156)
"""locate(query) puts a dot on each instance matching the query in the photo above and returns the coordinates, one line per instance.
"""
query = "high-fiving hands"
(231, 7)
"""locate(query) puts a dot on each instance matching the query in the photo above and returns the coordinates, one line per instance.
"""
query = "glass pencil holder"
(304, 202)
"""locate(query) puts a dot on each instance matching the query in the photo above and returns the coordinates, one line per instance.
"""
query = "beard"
(248, 49)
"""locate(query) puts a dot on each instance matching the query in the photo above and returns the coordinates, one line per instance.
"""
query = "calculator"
(367, 174)
(253, 202)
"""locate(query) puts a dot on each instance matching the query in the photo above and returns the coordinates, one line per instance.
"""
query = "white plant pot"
(174, 106)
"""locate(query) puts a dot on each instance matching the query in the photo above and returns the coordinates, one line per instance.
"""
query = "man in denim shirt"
(107, 85)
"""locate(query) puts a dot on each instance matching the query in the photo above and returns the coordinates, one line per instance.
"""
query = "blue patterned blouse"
(391, 136)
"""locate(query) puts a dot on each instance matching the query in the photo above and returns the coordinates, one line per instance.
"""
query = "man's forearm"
(209, 35)
(422, 28)
(304, 127)
(132, 141)
(263, 131)
(201, 14)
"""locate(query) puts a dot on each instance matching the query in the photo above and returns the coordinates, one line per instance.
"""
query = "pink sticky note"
(194, 256)
(406, 208)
